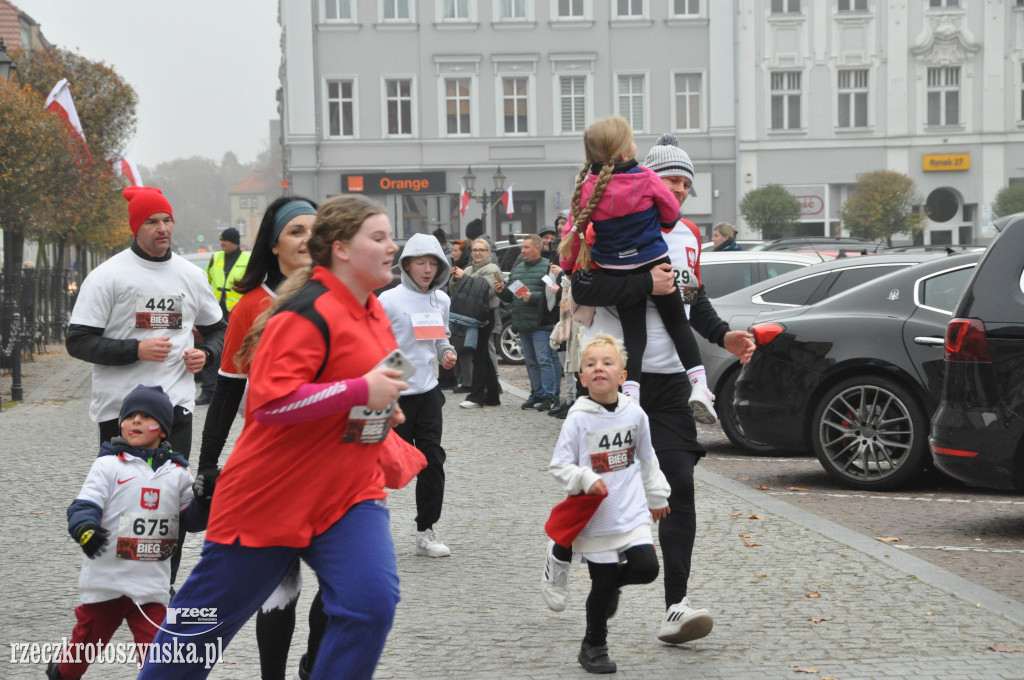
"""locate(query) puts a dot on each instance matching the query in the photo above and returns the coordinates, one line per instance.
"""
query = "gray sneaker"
(427, 543)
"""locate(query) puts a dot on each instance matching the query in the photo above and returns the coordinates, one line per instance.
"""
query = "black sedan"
(856, 377)
(978, 429)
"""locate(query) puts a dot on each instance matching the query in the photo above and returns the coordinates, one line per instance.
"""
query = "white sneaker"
(554, 584)
(469, 404)
(427, 543)
(683, 623)
(702, 402)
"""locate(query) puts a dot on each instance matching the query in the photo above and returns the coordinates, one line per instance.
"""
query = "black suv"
(977, 433)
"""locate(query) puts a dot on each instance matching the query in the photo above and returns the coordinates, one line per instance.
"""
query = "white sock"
(697, 376)
(631, 389)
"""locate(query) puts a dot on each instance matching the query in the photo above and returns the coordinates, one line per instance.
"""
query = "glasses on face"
(480, 250)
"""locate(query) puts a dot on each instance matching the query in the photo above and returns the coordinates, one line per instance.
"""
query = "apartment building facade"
(933, 89)
(399, 99)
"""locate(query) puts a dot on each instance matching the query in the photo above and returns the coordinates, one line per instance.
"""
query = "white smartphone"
(400, 362)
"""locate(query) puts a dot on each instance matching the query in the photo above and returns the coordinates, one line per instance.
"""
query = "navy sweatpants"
(355, 563)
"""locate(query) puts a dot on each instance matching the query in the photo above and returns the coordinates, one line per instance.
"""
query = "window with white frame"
(786, 100)
(338, 10)
(515, 101)
(396, 10)
(631, 99)
(785, 6)
(944, 3)
(944, 95)
(398, 104)
(685, 8)
(853, 98)
(853, 5)
(512, 9)
(340, 108)
(573, 102)
(629, 9)
(570, 9)
(457, 105)
(456, 10)
(688, 96)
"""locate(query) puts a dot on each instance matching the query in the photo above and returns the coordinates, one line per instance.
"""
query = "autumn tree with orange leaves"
(63, 199)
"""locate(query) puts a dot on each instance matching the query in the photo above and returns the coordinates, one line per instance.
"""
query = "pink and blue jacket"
(626, 226)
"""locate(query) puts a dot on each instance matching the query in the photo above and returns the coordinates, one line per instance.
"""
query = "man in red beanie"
(133, 321)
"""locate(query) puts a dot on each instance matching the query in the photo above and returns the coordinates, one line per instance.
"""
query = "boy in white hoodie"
(603, 439)
(418, 310)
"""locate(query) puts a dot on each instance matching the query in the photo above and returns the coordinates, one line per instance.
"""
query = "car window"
(795, 292)
(855, 276)
(773, 269)
(942, 291)
(507, 257)
(722, 278)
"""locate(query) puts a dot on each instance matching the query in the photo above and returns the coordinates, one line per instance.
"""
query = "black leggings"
(634, 325)
(641, 566)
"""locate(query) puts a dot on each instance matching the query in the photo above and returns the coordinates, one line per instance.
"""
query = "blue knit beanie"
(152, 401)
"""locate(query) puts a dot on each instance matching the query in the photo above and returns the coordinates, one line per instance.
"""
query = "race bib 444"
(613, 449)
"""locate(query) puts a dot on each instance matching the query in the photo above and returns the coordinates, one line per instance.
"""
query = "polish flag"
(463, 199)
(506, 200)
(124, 166)
(59, 101)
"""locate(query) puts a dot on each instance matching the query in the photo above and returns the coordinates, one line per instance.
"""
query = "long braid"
(565, 247)
(581, 220)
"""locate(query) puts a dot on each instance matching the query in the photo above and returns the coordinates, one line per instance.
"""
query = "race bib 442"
(159, 311)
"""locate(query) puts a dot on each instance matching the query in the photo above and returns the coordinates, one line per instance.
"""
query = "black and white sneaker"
(683, 623)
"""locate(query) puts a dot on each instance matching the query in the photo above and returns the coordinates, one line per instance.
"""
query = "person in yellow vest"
(225, 268)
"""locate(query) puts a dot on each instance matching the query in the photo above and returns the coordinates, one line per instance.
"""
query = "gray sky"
(205, 71)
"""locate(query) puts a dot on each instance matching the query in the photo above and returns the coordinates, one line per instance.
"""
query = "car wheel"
(870, 433)
(731, 424)
(511, 348)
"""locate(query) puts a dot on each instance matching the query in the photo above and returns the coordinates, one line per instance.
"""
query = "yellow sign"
(944, 162)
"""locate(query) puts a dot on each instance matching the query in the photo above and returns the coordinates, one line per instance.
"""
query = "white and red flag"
(124, 166)
(506, 200)
(60, 102)
(463, 198)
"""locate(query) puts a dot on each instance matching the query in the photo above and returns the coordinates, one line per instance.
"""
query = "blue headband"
(287, 213)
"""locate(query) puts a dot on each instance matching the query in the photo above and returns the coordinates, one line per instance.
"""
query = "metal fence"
(35, 306)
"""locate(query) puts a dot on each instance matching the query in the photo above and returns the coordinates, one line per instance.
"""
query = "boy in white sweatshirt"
(136, 494)
(604, 438)
(418, 310)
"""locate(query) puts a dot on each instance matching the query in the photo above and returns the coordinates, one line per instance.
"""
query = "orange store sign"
(945, 162)
(395, 183)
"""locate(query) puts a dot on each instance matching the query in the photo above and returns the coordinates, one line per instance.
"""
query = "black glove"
(439, 235)
(204, 485)
(93, 539)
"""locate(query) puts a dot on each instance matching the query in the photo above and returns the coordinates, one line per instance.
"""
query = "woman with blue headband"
(280, 249)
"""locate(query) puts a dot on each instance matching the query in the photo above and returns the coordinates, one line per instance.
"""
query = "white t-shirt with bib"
(133, 298)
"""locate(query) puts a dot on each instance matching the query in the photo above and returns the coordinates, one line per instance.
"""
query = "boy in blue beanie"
(136, 493)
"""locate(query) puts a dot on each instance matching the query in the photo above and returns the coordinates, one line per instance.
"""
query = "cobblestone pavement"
(793, 595)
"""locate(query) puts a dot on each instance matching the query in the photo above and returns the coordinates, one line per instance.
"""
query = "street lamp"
(8, 69)
(483, 198)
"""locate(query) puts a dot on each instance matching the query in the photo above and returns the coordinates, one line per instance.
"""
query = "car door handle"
(930, 340)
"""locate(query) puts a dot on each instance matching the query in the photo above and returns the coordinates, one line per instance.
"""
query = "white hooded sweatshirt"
(596, 443)
(413, 312)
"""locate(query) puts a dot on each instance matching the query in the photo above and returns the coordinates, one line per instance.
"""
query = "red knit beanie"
(143, 202)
